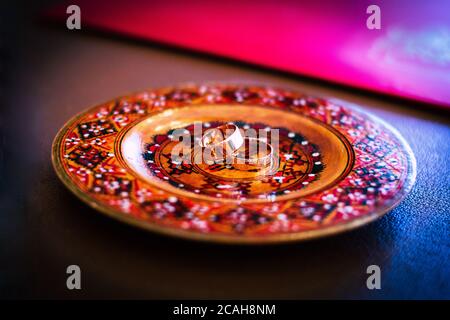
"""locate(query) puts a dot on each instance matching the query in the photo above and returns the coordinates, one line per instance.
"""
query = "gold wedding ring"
(255, 153)
(221, 142)
(225, 144)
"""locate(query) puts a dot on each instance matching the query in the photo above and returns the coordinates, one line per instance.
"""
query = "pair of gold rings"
(226, 144)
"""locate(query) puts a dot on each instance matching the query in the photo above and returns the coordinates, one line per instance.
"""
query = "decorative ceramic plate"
(338, 168)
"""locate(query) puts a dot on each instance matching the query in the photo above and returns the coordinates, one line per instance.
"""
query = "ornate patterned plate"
(338, 169)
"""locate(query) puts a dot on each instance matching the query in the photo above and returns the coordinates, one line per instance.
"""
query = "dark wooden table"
(44, 228)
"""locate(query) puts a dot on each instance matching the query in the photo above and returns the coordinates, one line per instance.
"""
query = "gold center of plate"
(203, 181)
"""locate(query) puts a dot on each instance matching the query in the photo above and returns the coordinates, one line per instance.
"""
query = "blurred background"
(49, 73)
